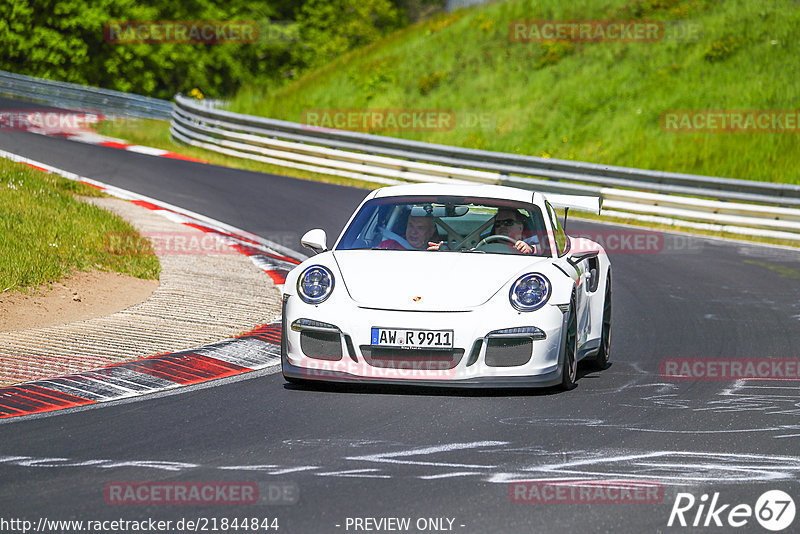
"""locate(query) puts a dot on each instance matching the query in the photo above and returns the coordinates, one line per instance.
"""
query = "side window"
(367, 233)
(560, 236)
(536, 231)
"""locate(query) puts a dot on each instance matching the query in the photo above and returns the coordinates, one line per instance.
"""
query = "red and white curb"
(93, 138)
(258, 349)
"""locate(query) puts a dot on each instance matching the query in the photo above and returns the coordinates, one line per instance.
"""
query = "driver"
(509, 222)
(419, 232)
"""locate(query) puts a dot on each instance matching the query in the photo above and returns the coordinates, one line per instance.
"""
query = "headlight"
(315, 284)
(529, 292)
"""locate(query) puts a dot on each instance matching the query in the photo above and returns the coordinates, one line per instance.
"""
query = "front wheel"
(603, 356)
(569, 365)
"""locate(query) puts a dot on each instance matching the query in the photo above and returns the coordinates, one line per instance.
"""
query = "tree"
(328, 28)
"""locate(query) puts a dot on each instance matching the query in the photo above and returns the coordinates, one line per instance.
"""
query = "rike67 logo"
(774, 510)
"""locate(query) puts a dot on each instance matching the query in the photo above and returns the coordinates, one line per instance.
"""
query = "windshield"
(447, 224)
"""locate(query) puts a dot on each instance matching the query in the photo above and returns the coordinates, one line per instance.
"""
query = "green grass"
(596, 102)
(46, 232)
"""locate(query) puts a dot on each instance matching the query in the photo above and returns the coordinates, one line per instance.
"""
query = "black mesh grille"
(411, 358)
(508, 352)
(321, 345)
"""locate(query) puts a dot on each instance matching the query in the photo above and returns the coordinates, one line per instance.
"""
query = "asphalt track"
(391, 452)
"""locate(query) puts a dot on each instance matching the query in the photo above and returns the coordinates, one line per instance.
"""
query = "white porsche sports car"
(451, 285)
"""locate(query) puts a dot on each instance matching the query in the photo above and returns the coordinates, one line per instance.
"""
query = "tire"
(569, 364)
(600, 361)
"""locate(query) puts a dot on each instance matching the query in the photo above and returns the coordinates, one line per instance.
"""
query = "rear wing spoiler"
(575, 202)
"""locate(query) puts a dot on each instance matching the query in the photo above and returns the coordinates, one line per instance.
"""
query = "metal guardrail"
(718, 204)
(70, 95)
(706, 202)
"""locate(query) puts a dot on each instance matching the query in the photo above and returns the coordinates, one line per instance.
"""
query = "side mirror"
(580, 256)
(316, 240)
(583, 250)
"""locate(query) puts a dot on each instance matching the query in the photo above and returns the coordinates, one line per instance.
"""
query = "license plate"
(412, 338)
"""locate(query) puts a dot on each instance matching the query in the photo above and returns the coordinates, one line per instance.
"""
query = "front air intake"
(411, 359)
(321, 345)
(508, 352)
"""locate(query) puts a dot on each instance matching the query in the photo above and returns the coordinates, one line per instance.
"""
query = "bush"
(722, 49)
(328, 28)
(429, 82)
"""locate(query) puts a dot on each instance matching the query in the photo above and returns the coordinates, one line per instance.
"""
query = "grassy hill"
(599, 102)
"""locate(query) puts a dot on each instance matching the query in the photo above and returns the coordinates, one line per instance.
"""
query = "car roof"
(460, 190)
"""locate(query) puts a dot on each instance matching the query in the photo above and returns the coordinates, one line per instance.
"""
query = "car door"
(578, 271)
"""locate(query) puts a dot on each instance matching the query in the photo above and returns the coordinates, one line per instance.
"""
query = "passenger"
(419, 232)
(510, 223)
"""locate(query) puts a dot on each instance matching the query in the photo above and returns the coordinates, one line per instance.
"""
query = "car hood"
(426, 281)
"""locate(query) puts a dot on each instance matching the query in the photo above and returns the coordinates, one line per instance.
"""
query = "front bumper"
(352, 360)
